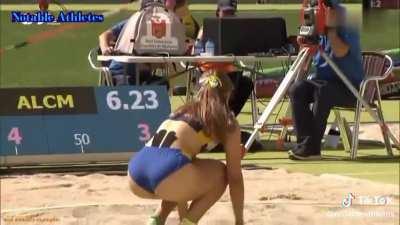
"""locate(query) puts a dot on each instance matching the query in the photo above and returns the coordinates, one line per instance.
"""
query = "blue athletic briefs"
(151, 165)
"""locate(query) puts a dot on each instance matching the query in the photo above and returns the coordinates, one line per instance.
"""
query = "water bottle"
(210, 48)
(198, 47)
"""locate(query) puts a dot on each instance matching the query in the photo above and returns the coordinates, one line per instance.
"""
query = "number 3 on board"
(145, 132)
(15, 135)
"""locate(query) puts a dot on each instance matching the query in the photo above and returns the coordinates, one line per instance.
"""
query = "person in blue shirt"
(125, 73)
(312, 99)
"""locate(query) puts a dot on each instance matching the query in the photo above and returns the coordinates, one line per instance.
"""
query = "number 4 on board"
(15, 135)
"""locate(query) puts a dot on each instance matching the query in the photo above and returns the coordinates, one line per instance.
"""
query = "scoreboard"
(385, 4)
(78, 124)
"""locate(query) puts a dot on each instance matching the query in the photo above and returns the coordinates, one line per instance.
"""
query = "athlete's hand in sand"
(233, 151)
(239, 222)
(244, 151)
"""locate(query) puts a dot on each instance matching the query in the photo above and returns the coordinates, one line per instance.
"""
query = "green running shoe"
(154, 220)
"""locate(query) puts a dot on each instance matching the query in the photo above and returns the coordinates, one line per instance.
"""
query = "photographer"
(312, 99)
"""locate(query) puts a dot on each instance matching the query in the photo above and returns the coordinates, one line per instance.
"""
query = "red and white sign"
(158, 28)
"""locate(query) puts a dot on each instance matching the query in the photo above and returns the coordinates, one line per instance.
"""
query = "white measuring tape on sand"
(24, 210)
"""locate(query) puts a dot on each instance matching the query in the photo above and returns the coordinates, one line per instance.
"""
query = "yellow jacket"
(191, 25)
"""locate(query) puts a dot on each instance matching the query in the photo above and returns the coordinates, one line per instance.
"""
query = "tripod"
(303, 61)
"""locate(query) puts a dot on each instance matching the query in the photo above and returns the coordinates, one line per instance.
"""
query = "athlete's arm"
(234, 172)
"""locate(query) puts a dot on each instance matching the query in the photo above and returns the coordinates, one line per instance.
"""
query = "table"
(188, 59)
(255, 60)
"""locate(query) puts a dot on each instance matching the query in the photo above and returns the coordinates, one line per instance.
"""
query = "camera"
(313, 16)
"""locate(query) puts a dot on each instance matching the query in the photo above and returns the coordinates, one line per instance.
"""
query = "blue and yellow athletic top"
(166, 133)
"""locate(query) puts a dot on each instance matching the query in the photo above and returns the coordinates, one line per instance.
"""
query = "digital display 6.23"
(79, 120)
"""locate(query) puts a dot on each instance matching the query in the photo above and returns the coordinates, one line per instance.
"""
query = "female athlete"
(167, 167)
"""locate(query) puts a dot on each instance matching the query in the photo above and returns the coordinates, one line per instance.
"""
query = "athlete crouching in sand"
(167, 167)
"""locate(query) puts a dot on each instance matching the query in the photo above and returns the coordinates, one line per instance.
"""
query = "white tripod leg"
(359, 98)
(297, 65)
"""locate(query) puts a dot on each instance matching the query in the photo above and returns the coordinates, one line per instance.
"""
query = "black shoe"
(300, 151)
(302, 154)
(256, 146)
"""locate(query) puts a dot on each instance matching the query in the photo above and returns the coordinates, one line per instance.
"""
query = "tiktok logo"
(348, 200)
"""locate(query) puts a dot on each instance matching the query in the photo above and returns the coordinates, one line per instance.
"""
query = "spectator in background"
(125, 73)
(122, 73)
(181, 9)
(243, 86)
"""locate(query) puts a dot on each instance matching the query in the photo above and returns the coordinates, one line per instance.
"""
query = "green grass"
(61, 60)
(381, 29)
(391, 110)
(58, 61)
(372, 164)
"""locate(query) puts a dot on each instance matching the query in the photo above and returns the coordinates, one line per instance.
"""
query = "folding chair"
(376, 67)
(105, 77)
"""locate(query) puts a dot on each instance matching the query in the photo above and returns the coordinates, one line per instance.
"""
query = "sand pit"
(272, 197)
(372, 132)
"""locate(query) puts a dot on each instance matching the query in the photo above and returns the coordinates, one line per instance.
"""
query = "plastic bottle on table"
(210, 48)
(198, 47)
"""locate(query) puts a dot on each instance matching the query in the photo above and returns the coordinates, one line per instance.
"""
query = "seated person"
(325, 90)
(243, 86)
(125, 73)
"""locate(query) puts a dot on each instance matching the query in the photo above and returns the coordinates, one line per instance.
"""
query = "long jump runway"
(272, 197)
